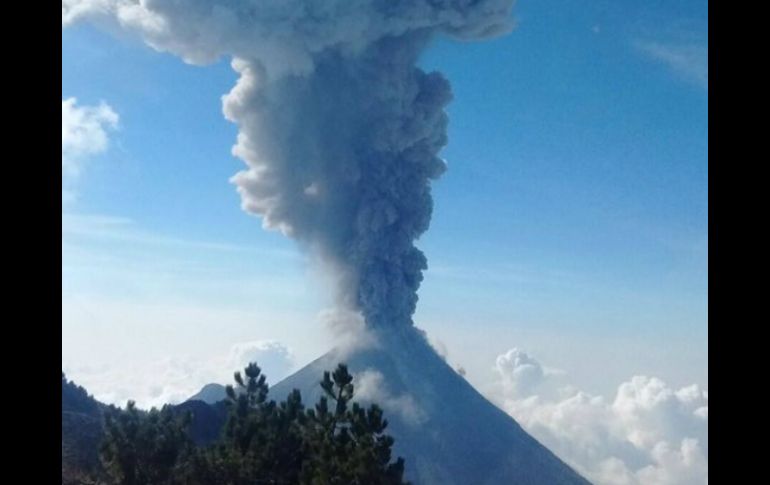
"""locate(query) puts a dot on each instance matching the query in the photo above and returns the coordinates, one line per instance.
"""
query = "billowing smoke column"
(338, 127)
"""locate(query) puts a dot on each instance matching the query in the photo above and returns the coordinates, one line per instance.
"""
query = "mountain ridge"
(447, 432)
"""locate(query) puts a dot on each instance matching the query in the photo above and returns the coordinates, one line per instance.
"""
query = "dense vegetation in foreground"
(263, 442)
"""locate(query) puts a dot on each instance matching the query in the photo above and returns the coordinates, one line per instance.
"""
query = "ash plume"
(339, 129)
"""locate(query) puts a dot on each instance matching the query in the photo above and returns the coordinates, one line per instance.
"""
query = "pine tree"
(262, 441)
(347, 444)
(144, 448)
(338, 442)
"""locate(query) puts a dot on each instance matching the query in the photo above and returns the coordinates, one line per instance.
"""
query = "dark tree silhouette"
(144, 448)
(347, 444)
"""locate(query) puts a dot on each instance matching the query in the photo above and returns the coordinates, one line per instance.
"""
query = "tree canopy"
(336, 442)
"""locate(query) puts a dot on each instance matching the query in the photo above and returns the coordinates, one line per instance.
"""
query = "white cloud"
(174, 379)
(274, 358)
(649, 434)
(519, 372)
(370, 387)
(72, 9)
(686, 463)
(84, 133)
(687, 60)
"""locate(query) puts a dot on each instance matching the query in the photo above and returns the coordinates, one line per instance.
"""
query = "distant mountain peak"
(210, 394)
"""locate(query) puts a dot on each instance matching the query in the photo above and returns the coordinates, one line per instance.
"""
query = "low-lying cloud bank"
(649, 434)
(175, 379)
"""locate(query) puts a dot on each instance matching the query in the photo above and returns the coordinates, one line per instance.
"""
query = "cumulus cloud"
(649, 434)
(84, 132)
(174, 379)
(370, 387)
(520, 373)
(274, 358)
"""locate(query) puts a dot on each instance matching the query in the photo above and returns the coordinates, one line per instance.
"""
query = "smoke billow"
(339, 129)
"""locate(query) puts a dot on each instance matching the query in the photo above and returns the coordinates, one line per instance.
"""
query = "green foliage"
(81, 421)
(76, 399)
(144, 448)
(347, 444)
(338, 442)
(262, 441)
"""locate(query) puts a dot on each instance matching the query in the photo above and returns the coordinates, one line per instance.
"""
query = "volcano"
(446, 431)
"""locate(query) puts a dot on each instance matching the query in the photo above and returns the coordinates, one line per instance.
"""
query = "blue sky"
(572, 221)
